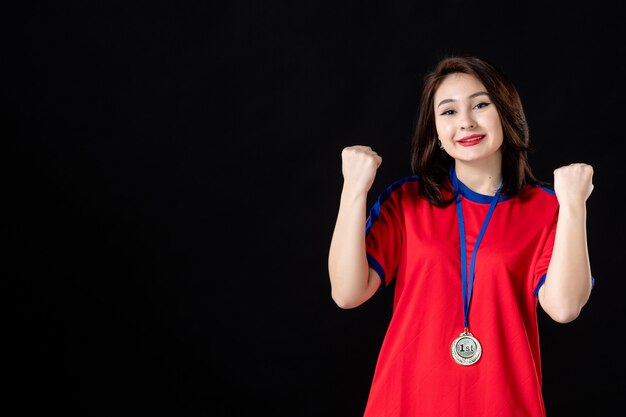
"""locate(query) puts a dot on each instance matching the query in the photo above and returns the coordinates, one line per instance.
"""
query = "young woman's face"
(466, 119)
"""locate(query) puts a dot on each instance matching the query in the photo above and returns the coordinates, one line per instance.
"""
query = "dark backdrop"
(171, 175)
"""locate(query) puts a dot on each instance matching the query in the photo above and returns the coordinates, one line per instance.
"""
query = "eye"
(448, 113)
(482, 105)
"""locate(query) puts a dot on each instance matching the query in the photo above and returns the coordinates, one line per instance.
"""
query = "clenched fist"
(359, 165)
(573, 183)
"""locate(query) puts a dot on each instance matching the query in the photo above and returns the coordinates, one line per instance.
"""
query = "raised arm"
(568, 281)
(352, 280)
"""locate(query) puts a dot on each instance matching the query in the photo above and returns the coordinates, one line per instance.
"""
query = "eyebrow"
(450, 100)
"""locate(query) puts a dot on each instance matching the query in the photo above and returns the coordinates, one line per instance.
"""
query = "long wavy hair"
(432, 164)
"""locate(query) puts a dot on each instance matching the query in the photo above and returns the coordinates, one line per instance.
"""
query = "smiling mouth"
(471, 139)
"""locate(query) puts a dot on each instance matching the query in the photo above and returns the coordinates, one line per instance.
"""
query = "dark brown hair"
(432, 164)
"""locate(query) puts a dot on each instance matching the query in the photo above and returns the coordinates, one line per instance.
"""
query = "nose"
(467, 122)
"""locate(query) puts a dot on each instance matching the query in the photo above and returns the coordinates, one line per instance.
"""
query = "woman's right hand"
(359, 165)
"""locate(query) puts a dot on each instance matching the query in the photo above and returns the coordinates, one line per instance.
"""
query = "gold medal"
(466, 349)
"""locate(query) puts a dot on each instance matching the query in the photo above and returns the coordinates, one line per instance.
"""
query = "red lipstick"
(471, 140)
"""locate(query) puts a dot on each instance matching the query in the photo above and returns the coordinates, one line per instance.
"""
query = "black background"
(171, 178)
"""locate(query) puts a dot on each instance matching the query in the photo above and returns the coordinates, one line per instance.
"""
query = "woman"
(473, 241)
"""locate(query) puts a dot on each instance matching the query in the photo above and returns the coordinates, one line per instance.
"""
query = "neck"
(481, 179)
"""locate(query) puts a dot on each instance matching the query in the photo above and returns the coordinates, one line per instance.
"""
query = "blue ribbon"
(468, 284)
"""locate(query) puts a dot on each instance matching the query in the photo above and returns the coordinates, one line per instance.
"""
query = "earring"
(440, 144)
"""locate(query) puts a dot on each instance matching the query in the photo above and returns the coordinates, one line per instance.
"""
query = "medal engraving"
(466, 349)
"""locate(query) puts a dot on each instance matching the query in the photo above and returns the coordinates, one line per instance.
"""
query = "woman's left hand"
(573, 183)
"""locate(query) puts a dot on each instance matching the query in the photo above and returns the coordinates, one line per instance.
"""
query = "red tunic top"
(418, 245)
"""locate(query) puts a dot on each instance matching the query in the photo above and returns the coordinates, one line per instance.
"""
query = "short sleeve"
(541, 269)
(385, 233)
(541, 266)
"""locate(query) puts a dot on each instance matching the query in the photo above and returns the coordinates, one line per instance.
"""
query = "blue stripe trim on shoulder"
(375, 210)
(544, 188)
(378, 268)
